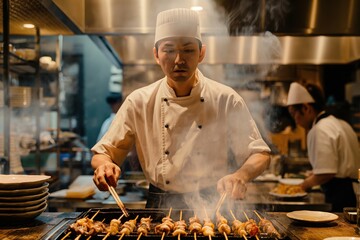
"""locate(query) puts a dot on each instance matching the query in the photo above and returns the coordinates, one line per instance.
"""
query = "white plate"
(21, 181)
(342, 238)
(11, 217)
(23, 204)
(23, 192)
(291, 181)
(23, 209)
(297, 195)
(312, 216)
(25, 198)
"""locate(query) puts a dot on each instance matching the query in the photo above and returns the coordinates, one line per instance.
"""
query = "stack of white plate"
(22, 197)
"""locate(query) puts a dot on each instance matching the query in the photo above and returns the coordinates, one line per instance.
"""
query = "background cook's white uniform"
(333, 148)
(183, 143)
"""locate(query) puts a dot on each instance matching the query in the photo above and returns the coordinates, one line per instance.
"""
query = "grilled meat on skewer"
(238, 228)
(87, 226)
(222, 225)
(128, 227)
(144, 226)
(166, 226)
(180, 228)
(113, 229)
(208, 227)
(251, 228)
(266, 226)
(194, 225)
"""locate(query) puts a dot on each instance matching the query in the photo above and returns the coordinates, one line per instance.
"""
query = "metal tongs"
(118, 200)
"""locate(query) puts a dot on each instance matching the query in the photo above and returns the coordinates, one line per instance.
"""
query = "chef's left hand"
(233, 185)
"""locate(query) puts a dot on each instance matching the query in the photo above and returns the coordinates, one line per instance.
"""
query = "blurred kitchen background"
(55, 77)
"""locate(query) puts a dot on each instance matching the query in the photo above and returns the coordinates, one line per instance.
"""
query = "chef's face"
(179, 57)
(300, 114)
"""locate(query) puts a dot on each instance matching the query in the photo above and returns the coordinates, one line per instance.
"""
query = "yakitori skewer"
(128, 227)
(250, 226)
(208, 227)
(89, 237)
(267, 227)
(238, 227)
(87, 226)
(144, 227)
(114, 227)
(166, 225)
(180, 227)
(68, 234)
(194, 225)
(222, 225)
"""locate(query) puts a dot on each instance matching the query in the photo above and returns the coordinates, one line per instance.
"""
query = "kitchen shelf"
(18, 64)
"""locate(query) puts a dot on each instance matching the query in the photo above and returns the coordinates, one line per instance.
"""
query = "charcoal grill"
(106, 215)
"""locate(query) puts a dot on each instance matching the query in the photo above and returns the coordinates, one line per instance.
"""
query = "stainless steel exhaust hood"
(308, 31)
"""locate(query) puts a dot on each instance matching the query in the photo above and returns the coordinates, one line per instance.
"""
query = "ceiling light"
(28, 25)
(197, 8)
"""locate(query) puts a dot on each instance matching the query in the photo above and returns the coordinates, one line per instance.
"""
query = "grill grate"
(106, 215)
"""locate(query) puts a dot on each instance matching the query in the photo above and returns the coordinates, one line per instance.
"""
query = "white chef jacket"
(333, 148)
(183, 143)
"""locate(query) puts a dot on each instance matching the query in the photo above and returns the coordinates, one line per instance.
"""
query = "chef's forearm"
(316, 179)
(100, 159)
(255, 165)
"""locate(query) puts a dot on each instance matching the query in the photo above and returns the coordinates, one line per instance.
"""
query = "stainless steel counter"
(257, 197)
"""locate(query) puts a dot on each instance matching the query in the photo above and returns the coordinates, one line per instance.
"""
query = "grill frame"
(157, 215)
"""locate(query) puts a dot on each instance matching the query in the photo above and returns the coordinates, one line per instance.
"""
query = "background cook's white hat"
(177, 22)
(298, 95)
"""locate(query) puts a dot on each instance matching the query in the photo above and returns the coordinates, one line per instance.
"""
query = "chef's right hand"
(106, 174)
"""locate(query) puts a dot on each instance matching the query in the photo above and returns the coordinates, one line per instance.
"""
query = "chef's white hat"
(298, 95)
(177, 22)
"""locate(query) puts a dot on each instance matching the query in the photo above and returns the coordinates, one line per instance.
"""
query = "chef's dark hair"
(317, 95)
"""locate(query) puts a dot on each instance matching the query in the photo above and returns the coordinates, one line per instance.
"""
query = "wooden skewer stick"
(138, 238)
(180, 220)
(207, 216)
(195, 231)
(257, 214)
(225, 236)
(247, 218)
(163, 234)
(232, 214)
(68, 234)
(122, 235)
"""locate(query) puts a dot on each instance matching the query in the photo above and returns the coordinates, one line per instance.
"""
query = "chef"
(192, 134)
(333, 147)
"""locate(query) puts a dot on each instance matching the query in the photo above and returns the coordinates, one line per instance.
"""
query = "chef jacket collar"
(317, 117)
(195, 91)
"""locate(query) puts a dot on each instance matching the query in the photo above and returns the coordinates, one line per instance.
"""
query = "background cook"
(333, 147)
(193, 135)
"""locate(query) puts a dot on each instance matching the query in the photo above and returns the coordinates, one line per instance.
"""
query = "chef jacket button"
(167, 152)
(165, 99)
(167, 181)
(166, 125)
(202, 99)
(199, 126)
